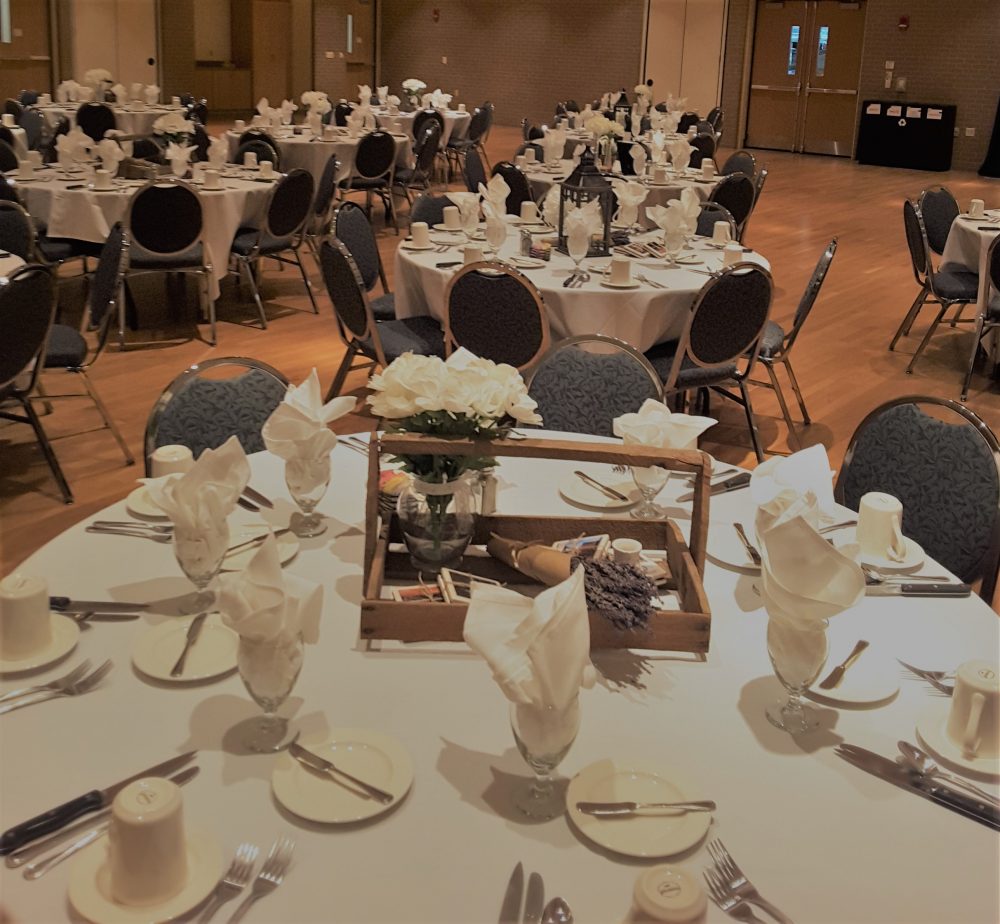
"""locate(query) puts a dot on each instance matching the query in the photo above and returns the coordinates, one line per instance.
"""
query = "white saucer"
(213, 655)
(575, 490)
(90, 884)
(318, 796)
(617, 780)
(724, 546)
(446, 230)
(288, 547)
(65, 632)
(526, 262)
(608, 284)
(931, 728)
(657, 185)
(139, 504)
(405, 246)
(913, 559)
(869, 680)
(689, 261)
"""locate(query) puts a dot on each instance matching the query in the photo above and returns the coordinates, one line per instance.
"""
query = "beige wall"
(212, 30)
(116, 35)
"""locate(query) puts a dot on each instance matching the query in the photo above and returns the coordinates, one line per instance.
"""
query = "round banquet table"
(642, 316)
(306, 151)
(456, 123)
(541, 179)
(20, 142)
(968, 242)
(138, 121)
(8, 263)
(823, 840)
(88, 215)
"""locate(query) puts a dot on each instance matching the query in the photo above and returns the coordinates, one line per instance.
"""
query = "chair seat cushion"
(384, 307)
(360, 182)
(405, 175)
(246, 240)
(691, 375)
(66, 347)
(56, 249)
(140, 258)
(421, 335)
(957, 284)
(771, 339)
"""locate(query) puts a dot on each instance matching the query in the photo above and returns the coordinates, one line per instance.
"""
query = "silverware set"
(920, 762)
(936, 679)
(576, 280)
(76, 683)
(163, 532)
(650, 282)
(526, 904)
(732, 891)
(271, 875)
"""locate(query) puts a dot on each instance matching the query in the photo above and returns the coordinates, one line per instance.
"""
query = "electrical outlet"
(956, 131)
(890, 65)
(329, 56)
(888, 80)
(444, 59)
(970, 133)
(901, 84)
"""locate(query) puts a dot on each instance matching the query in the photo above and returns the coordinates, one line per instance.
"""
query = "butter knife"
(193, 631)
(322, 764)
(837, 674)
(611, 492)
(609, 809)
(751, 549)
(918, 590)
(68, 605)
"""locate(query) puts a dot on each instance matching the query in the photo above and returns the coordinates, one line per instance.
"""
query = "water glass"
(650, 481)
(798, 652)
(544, 735)
(496, 235)
(307, 481)
(269, 670)
(199, 552)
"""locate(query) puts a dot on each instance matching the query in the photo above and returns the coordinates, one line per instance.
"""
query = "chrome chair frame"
(983, 321)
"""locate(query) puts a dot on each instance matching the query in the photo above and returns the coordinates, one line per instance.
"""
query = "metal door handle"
(835, 92)
(761, 86)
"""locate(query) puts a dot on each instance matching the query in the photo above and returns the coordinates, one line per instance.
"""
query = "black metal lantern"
(583, 185)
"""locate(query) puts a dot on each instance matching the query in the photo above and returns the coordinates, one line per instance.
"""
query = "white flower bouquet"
(412, 88)
(97, 76)
(312, 98)
(174, 127)
(603, 127)
(644, 91)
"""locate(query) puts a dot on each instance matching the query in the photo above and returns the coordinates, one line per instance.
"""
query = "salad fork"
(271, 875)
(233, 881)
(732, 904)
(738, 884)
(59, 683)
(79, 687)
(128, 531)
(934, 678)
(163, 528)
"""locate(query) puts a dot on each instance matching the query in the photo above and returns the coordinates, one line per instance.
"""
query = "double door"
(804, 76)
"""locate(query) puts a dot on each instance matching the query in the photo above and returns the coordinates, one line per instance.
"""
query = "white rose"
(522, 407)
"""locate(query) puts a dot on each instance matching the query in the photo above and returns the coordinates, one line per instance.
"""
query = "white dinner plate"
(621, 780)
(932, 730)
(526, 262)
(577, 491)
(724, 546)
(288, 546)
(90, 884)
(212, 655)
(320, 796)
(65, 632)
(140, 504)
(872, 679)
(445, 230)
(608, 284)
(405, 246)
(912, 560)
(689, 261)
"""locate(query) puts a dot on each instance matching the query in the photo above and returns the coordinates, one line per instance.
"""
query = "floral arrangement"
(644, 91)
(412, 88)
(313, 98)
(97, 76)
(464, 397)
(603, 127)
(174, 127)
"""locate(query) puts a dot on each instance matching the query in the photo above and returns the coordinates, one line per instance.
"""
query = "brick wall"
(948, 55)
(523, 55)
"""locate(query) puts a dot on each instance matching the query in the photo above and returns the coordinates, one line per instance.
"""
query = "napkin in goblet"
(75, 145)
(807, 470)
(495, 193)
(298, 427)
(364, 94)
(179, 155)
(383, 95)
(467, 202)
(668, 220)
(152, 94)
(110, 153)
(680, 153)
(121, 94)
(689, 207)
(639, 155)
(550, 206)
(630, 196)
(218, 152)
(654, 424)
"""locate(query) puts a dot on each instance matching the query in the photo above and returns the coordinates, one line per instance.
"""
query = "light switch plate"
(970, 133)
(890, 65)
(444, 59)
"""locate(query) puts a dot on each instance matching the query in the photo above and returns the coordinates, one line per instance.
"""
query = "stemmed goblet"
(798, 652)
(650, 481)
(544, 735)
(269, 669)
(496, 236)
(307, 481)
(673, 244)
(199, 552)
(578, 246)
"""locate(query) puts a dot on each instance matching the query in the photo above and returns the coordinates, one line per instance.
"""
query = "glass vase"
(437, 520)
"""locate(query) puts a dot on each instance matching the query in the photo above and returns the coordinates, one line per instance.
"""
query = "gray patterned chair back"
(736, 193)
(520, 191)
(429, 208)
(583, 383)
(497, 313)
(344, 286)
(915, 239)
(473, 171)
(351, 226)
(710, 213)
(202, 413)
(740, 162)
(758, 184)
(811, 292)
(17, 233)
(945, 474)
(27, 310)
(939, 209)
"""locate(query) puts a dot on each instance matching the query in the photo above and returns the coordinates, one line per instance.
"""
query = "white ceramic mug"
(166, 460)
(879, 532)
(266, 169)
(708, 168)
(9, 121)
(626, 551)
(239, 125)
(328, 131)
(250, 160)
(25, 620)
(452, 218)
(472, 254)
(213, 179)
(529, 155)
(102, 179)
(620, 271)
(974, 715)
(520, 161)
(35, 159)
(721, 232)
(147, 850)
(732, 254)
(977, 208)
(420, 234)
(461, 107)
(45, 99)
(25, 170)
(660, 175)
(529, 211)
(175, 101)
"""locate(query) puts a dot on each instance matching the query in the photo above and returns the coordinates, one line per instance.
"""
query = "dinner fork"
(58, 684)
(733, 877)
(650, 282)
(930, 677)
(732, 904)
(233, 881)
(81, 686)
(126, 531)
(271, 874)
(164, 528)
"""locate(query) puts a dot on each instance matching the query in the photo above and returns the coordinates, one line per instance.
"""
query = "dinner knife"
(635, 808)
(62, 815)
(68, 605)
(731, 484)
(320, 763)
(510, 908)
(257, 497)
(948, 589)
(892, 772)
(611, 492)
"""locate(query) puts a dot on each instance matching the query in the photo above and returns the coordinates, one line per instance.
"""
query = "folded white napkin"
(392, 100)
(152, 94)
(179, 156)
(135, 91)
(658, 143)
(550, 206)
(383, 95)
(630, 196)
(677, 105)
(639, 155)
(806, 471)
(298, 427)
(636, 123)
(689, 208)
(440, 100)
(66, 91)
(111, 155)
(538, 649)
(364, 94)
(605, 101)
(670, 122)
(495, 194)
(467, 202)
(263, 106)
(207, 493)
(654, 424)
(263, 604)
(586, 218)
(74, 146)
(173, 123)
(287, 108)
(680, 153)
(121, 94)
(666, 219)
(218, 152)
(425, 100)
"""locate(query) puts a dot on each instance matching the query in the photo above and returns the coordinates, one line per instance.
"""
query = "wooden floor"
(841, 358)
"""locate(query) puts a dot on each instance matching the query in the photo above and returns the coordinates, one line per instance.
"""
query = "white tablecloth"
(967, 245)
(87, 215)
(8, 264)
(642, 316)
(131, 121)
(456, 124)
(20, 142)
(822, 839)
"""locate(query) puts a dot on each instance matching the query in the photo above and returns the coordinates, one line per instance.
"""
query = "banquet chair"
(200, 140)
(374, 162)
(8, 159)
(68, 350)
(945, 287)
(938, 209)
(352, 228)
(704, 146)
(472, 171)
(24, 233)
(424, 117)
(583, 383)
(340, 113)
(94, 119)
(736, 193)
(255, 133)
(262, 148)
(776, 345)
(572, 105)
(719, 345)
(28, 97)
(715, 118)
(7, 136)
(988, 317)
(17, 232)
(27, 310)
(50, 134)
(705, 127)
(322, 210)
(741, 161)
(710, 213)
(430, 209)
(496, 312)
(164, 228)
(537, 148)
(531, 132)
(374, 343)
(212, 401)
(943, 464)
(520, 191)
(281, 232)
(14, 108)
(686, 121)
(425, 150)
(197, 111)
(457, 148)
(758, 188)
(33, 123)
(625, 156)
(7, 192)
